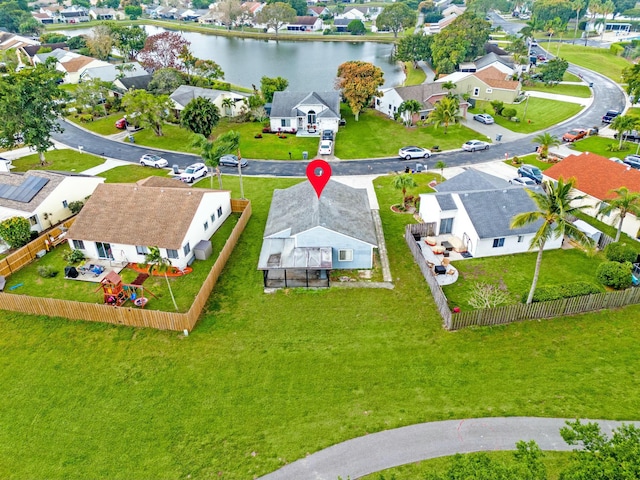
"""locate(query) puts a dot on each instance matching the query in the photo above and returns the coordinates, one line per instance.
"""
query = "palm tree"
(402, 181)
(449, 86)
(622, 124)
(446, 111)
(546, 140)
(160, 264)
(441, 165)
(624, 202)
(577, 6)
(230, 142)
(411, 107)
(210, 155)
(555, 204)
(607, 8)
(228, 104)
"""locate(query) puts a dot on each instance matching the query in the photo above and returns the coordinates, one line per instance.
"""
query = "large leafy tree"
(556, 203)
(461, 41)
(200, 116)
(445, 112)
(359, 82)
(413, 48)
(547, 10)
(149, 110)
(197, 69)
(166, 80)
(230, 11)
(623, 203)
(93, 93)
(546, 141)
(13, 14)
(160, 264)
(163, 50)
(29, 107)
(395, 17)
(129, 39)
(623, 124)
(600, 457)
(276, 15)
(100, 42)
(133, 11)
(554, 69)
(269, 86)
(631, 76)
(300, 6)
(15, 231)
(356, 27)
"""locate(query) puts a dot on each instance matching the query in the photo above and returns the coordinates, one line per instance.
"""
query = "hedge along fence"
(517, 312)
(134, 317)
(27, 254)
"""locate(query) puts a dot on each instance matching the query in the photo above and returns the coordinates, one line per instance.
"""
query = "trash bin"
(131, 139)
(176, 169)
(305, 155)
(498, 138)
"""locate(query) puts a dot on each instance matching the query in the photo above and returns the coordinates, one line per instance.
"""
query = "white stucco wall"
(388, 103)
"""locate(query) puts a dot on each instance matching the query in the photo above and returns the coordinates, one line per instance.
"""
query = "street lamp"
(524, 114)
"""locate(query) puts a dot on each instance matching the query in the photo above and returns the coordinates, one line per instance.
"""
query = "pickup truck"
(630, 136)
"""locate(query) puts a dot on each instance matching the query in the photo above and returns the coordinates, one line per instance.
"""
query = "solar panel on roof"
(24, 192)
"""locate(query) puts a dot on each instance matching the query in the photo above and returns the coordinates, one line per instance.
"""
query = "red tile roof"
(596, 175)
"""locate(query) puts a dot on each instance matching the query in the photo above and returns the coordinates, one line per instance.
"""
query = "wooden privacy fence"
(134, 317)
(519, 311)
(25, 255)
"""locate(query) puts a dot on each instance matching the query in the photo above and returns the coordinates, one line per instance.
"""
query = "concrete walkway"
(585, 102)
(108, 164)
(391, 448)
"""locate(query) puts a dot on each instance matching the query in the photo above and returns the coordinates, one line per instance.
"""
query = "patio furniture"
(430, 264)
(437, 249)
(440, 270)
(458, 245)
(447, 246)
(445, 262)
(445, 253)
(431, 241)
(451, 272)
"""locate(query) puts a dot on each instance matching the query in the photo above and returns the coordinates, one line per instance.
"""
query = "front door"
(104, 250)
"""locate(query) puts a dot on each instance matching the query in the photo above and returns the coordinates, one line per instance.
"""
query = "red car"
(573, 135)
(121, 124)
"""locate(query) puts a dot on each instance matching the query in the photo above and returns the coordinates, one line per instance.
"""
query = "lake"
(306, 65)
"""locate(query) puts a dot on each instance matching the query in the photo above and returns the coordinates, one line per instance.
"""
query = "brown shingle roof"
(305, 20)
(75, 64)
(422, 92)
(596, 175)
(497, 79)
(132, 214)
(161, 182)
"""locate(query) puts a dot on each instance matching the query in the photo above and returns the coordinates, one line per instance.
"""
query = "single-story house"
(105, 14)
(74, 14)
(354, 13)
(185, 93)
(477, 209)
(43, 196)
(487, 84)
(428, 94)
(140, 82)
(70, 63)
(597, 177)
(10, 41)
(318, 11)
(305, 113)
(43, 18)
(501, 62)
(110, 72)
(305, 23)
(305, 236)
(120, 221)
(341, 24)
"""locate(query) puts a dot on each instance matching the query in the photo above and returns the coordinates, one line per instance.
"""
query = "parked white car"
(194, 172)
(413, 152)
(151, 160)
(326, 146)
(473, 145)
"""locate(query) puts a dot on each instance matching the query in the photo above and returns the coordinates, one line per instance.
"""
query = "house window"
(33, 220)
(219, 212)
(345, 255)
(65, 204)
(311, 117)
(476, 92)
(395, 109)
(498, 242)
(520, 238)
(213, 217)
(141, 250)
(489, 90)
(78, 244)
(390, 107)
(186, 249)
(206, 226)
(446, 225)
(377, 102)
(284, 122)
(172, 253)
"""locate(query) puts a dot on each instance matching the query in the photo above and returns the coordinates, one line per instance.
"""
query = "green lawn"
(553, 461)
(131, 173)
(570, 77)
(581, 91)
(415, 76)
(64, 159)
(597, 59)
(266, 378)
(514, 273)
(601, 146)
(101, 126)
(541, 114)
(531, 159)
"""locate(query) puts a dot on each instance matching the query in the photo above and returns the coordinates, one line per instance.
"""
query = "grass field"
(101, 126)
(266, 378)
(64, 159)
(415, 76)
(541, 114)
(581, 91)
(597, 59)
(601, 146)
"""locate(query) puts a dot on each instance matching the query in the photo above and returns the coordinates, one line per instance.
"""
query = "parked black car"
(530, 171)
(610, 115)
(633, 161)
(327, 135)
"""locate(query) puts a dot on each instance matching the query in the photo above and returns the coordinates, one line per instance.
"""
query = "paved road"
(390, 448)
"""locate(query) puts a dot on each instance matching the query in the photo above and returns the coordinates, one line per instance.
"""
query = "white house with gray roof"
(305, 113)
(306, 237)
(477, 208)
(185, 93)
(110, 72)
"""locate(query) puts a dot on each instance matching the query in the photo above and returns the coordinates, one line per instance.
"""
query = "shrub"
(620, 252)
(498, 106)
(76, 206)
(547, 293)
(509, 112)
(615, 275)
(616, 49)
(15, 231)
(73, 256)
(47, 271)
(516, 160)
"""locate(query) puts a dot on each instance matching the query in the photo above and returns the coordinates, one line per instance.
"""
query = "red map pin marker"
(318, 181)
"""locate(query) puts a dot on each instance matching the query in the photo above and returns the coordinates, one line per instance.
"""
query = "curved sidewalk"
(390, 448)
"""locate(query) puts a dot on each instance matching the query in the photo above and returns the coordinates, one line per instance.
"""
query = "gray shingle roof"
(341, 208)
(185, 93)
(471, 180)
(490, 58)
(421, 93)
(285, 103)
(141, 82)
(492, 211)
(445, 200)
(109, 73)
